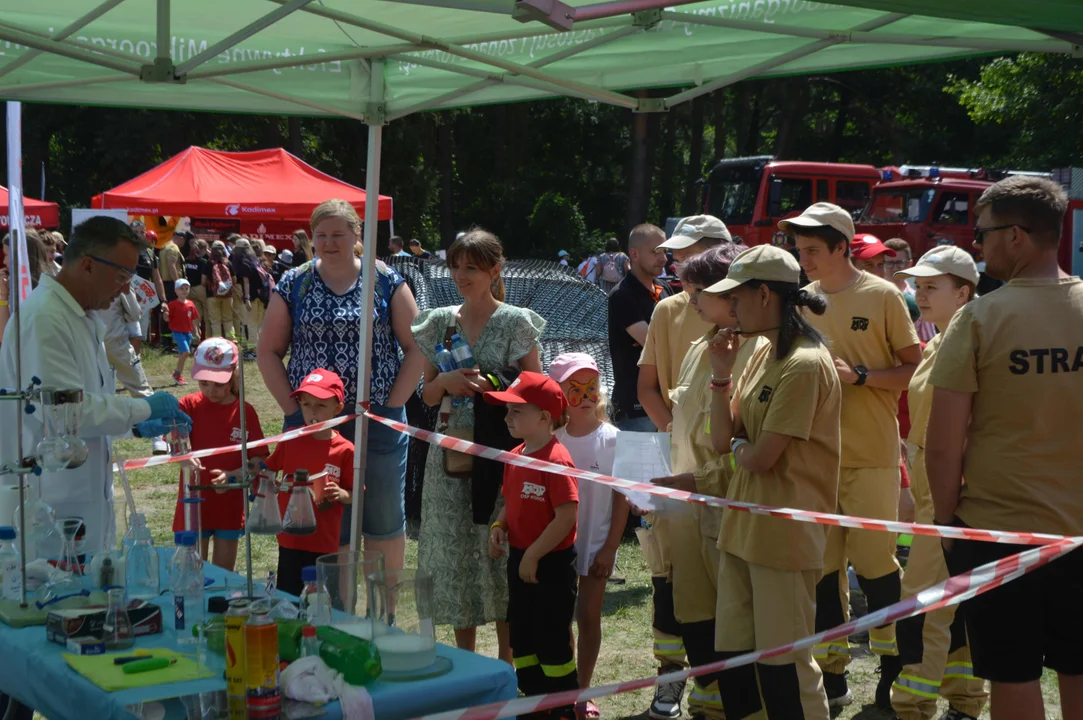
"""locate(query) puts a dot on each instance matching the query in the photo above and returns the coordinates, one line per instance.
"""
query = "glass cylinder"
(264, 518)
(404, 631)
(334, 573)
(141, 568)
(117, 633)
(300, 516)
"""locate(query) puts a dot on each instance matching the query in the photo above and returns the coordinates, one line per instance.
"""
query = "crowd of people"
(775, 390)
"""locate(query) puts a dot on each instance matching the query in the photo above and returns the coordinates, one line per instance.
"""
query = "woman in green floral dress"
(471, 589)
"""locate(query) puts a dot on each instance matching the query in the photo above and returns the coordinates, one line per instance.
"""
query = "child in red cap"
(538, 522)
(321, 396)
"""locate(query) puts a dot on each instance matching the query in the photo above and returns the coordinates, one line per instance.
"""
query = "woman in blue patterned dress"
(315, 316)
(470, 588)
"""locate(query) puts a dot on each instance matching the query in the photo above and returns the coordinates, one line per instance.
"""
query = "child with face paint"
(592, 443)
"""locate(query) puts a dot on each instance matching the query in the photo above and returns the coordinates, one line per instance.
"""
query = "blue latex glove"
(162, 405)
(157, 427)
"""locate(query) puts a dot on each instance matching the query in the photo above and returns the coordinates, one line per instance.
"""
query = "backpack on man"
(612, 267)
(221, 280)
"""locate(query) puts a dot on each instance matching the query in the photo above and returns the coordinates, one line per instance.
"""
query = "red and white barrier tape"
(288, 435)
(471, 448)
(950, 592)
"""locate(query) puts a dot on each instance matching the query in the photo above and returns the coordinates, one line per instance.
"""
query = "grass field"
(626, 648)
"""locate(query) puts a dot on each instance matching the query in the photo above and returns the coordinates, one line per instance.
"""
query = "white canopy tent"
(380, 60)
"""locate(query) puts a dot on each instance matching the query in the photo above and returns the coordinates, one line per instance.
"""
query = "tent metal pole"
(62, 34)
(295, 60)
(9, 90)
(7, 32)
(617, 34)
(374, 121)
(869, 38)
(622, 7)
(330, 110)
(240, 36)
(163, 30)
(584, 90)
(776, 62)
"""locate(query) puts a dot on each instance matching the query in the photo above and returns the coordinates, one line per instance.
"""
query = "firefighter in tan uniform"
(674, 326)
(875, 350)
(932, 647)
(783, 426)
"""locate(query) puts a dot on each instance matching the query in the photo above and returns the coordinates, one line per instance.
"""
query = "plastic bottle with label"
(315, 602)
(187, 581)
(460, 350)
(11, 579)
(444, 359)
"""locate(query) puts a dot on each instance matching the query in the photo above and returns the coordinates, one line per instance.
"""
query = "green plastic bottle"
(358, 660)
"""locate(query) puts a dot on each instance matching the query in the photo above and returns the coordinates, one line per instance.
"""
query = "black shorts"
(1028, 623)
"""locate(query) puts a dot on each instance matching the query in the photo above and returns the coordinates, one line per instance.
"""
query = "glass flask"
(300, 517)
(68, 577)
(117, 633)
(60, 445)
(264, 518)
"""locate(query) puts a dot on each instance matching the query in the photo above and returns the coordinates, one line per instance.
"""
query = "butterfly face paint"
(577, 392)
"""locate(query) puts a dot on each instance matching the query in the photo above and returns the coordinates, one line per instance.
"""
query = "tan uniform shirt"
(1019, 350)
(867, 324)
(675, 325)
(170, 263)
(920, 394)
(798, 396)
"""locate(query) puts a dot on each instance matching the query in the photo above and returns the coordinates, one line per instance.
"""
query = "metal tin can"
(236, 615)
(261, 665)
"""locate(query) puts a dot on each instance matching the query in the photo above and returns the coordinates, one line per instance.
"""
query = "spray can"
(261, 665)
(236, 615)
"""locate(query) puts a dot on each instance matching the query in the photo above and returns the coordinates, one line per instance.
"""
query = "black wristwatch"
(862, 375)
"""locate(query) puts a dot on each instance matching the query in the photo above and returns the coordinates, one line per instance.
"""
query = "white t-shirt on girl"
(595, 452)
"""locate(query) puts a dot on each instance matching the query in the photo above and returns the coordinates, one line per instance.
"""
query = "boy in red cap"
(538, 523)
(869, 254)
(321, 396)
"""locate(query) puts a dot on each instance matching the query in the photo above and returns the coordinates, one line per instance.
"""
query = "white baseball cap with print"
(691, 230)
(944, 260)
(822, 214)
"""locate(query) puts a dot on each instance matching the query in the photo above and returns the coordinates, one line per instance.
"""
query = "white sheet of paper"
(640, 457)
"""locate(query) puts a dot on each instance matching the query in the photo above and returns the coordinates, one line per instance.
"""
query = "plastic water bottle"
(11, 579)
(188, 604)
(141, 572)
(310, 644)
(460, 350)
(315, 603)
(444, 360)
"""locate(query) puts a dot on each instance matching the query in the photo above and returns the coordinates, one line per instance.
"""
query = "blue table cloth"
(33, 671)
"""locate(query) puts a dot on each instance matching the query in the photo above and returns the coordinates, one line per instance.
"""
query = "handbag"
(456, 464)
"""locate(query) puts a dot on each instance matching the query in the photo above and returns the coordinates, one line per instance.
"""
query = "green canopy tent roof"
(377, 60)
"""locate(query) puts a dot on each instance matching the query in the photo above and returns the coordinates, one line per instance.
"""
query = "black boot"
(890, 667)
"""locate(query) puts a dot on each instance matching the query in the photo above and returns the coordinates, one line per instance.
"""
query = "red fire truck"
(752, 194)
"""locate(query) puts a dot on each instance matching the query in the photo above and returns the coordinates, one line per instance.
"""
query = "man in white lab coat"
(62, 344)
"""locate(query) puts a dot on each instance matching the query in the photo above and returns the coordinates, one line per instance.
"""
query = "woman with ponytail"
(782, 426)
(470, 588)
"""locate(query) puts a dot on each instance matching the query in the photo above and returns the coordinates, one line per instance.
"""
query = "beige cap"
(944, 260)
(820, 215)
(691, 230)
(270, 249)
(763, 262)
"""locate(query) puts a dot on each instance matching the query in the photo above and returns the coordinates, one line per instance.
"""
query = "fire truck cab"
(752, 194)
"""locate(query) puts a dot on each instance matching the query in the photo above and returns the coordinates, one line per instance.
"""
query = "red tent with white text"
(38, 212)
(266, 193)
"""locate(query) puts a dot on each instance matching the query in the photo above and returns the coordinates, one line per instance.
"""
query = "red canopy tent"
(38, 212)
(267, 193)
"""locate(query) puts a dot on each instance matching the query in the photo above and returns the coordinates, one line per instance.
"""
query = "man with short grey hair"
(62, 344)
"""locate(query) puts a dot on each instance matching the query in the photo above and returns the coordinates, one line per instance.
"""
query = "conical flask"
(265, 518)
(300, 517)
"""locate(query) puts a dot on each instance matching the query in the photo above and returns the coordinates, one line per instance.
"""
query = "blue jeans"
(640, 424)
(384, 512)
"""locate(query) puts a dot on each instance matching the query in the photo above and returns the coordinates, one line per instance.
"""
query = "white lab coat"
(62, 345)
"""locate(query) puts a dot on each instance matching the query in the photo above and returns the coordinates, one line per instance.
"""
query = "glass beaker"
(334, 573)
(117, 633)
(264, 518)
(300, 516)
(42, 536)
(404, 631)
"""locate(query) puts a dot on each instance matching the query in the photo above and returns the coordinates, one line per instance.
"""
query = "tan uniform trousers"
(871, 493)
(760, 608)
(220, 317)
(940, 672)
(654, 541)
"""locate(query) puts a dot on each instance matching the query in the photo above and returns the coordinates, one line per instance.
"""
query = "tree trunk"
(638, 171)
(445, 152)
(841, 117)
(296, 143)
(793, 107)
(695, 160)
(669, 182)
(750, 144)
(500, 141)
(721, 97)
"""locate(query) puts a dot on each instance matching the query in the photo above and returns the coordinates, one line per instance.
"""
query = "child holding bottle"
(216, 422)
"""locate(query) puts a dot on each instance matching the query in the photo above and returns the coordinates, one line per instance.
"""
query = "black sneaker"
(667, 698)
(838, 693)
(953, 714)
(890, 668)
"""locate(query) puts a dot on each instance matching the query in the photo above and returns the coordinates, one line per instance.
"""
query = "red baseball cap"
(865, 247)
(534, 389)
(322, 384)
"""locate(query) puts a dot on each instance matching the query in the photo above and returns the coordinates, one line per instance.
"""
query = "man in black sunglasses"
(1006, 414)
